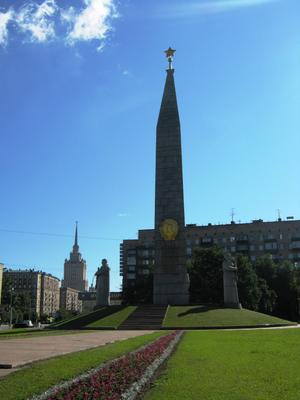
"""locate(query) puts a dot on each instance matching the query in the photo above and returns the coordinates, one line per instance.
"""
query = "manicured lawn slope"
(41, 375)
(193, 316)
(92, 319)
(113, 320)
(228, 365)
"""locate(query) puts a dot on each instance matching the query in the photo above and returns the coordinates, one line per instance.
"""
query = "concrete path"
(15, 353)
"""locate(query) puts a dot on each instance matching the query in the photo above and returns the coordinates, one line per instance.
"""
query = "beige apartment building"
(69, 299)
(280, 239)
(49, 294)
(43, 289)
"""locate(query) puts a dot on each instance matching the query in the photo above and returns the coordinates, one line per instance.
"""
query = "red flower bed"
(109, 382)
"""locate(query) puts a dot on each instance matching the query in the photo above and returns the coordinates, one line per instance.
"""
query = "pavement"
(17, 353)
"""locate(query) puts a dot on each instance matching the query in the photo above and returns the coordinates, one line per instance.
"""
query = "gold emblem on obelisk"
(169, 229)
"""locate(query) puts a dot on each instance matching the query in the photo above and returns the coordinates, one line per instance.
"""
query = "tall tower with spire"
(171, 282)
(75, 268)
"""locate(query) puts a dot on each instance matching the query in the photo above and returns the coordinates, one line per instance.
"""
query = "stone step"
(145, 317)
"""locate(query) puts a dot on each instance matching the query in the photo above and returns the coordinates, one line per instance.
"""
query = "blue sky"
(80, 88)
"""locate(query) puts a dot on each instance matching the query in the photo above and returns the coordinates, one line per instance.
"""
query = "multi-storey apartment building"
(280, 239)
(69, 299)
(43, 289)
(49, 294)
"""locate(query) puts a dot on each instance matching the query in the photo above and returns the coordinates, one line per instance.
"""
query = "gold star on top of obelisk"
(170, 52)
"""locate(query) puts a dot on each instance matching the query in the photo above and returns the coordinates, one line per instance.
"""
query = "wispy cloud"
(4, 20)
(93, 22)
(123, 215)
(39, 21)
(177, 10)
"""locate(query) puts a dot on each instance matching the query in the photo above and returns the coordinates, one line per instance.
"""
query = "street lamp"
(10, 317)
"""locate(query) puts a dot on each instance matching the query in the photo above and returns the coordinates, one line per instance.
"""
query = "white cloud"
(37, 20)
(212, 7)
(93, 22)
(4, 20)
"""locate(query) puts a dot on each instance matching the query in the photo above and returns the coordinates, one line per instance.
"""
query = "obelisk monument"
(171, 282)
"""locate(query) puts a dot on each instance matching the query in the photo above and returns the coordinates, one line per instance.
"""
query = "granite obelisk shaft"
(171, 283)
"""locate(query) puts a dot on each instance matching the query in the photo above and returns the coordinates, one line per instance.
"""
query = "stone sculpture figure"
(102, 284)
(231, 296)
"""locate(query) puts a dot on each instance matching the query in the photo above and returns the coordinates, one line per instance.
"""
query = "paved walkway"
(19, 352)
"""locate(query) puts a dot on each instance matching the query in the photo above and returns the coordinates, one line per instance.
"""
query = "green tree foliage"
(141, 292)
(283, 281)
(206, 276)
(248, 285)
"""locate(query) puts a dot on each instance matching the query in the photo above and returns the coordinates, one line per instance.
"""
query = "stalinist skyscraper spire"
(75, 268)
(171, 283)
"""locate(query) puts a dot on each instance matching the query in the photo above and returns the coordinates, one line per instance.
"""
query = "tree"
(206, 275)
(249, 291)
(140, 292)
(288, 290)
(266, 269)
(6, 289)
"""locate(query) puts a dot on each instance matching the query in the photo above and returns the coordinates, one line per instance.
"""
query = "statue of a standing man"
(102, 284)
(231, 296)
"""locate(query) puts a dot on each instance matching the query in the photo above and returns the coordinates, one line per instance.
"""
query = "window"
(232, 249)
(232, 238)
(271, 246)
(145, 262)
(253, 258)
(252, 247)
(131, 268)
(146, 272)
(131, 260)
(144, 253)
(189, 251)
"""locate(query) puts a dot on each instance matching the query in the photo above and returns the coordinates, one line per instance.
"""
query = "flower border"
(159, 350)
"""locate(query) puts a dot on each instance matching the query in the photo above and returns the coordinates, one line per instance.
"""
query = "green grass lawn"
(202, 316)
(41, 375)
(113, 320)
(232, 365)
(103, 317)
(74, 318)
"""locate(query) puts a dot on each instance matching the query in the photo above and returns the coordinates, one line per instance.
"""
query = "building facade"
(69, 299)
(50, 286)
(43, 289)
(75, 269)
(280, 239)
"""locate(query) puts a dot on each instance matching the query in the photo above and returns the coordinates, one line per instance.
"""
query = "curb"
(226, 327)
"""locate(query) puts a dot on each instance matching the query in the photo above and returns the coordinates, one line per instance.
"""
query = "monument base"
(171, 289)
(238, 306)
